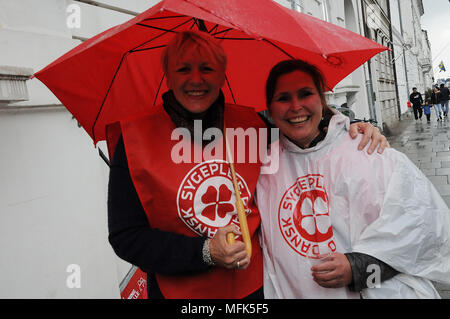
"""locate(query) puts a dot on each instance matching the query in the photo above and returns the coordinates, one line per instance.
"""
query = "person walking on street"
(445, 96)
(436, 101)
(416, 99)
(409, 108)
(426, 110)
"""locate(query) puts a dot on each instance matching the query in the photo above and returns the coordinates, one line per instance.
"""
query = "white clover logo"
(315, 216)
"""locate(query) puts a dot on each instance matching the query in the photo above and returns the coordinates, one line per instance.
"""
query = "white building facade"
(351, 92)
(378, 90)
(412, 49)
(53, 184)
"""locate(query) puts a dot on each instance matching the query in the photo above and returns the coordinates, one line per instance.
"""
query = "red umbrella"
(118, 72)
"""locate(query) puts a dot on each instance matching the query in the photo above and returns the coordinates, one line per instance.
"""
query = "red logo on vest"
(304, 218)
(206, 199)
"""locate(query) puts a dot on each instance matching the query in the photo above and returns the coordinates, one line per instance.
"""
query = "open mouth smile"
(196, 93)
(298, 119)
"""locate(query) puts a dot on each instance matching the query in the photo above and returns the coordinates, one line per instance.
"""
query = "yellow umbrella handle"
(230, 238)
(239, 207)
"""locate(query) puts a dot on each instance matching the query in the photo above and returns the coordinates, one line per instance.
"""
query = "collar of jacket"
(337, 124)
(212, 117)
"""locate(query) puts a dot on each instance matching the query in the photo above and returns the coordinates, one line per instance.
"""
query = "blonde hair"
(199, 38)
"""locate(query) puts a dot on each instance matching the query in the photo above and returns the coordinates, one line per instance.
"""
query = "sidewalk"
(428, 146)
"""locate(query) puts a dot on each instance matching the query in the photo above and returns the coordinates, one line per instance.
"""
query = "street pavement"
(428, 146)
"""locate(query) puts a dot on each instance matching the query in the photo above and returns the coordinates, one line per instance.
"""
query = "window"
(326, 10)
(297, 5)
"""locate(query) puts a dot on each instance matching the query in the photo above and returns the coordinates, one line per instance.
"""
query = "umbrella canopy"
(118, 73)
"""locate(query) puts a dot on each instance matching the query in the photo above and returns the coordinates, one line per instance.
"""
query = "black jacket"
(436, 97)
(445, 94)
(132, 238)
(416, 99)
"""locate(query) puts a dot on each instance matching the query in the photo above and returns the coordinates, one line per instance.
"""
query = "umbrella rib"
(162, 18)
(195, 23)
(159, 87)
(231, 91)
(276, 46)
(103, 156)
(106, 95)
(201, 25)
(223, 38)
(212, 29)
(160, 35)
(151, 27)
(121, 61)
(223, 31)
(157, 47)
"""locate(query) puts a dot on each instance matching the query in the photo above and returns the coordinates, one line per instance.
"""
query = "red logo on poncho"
(304, 218)
(311, 216)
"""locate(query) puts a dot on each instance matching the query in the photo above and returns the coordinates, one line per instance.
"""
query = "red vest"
(197, 197)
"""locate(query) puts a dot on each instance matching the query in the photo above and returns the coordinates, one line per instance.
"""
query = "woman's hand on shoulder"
(371, 134)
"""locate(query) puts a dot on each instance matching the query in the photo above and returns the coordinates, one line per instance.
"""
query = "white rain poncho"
(380, 205)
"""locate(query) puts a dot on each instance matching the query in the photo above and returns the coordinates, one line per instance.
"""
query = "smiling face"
(296, 107)
(195, 77)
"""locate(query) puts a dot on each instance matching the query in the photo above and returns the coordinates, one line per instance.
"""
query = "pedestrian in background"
(426, 109)
(416, 99)
(409, 108)
(436, 101)
(445, 96)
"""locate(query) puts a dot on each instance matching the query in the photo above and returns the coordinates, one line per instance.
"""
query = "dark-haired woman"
(337, 222)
